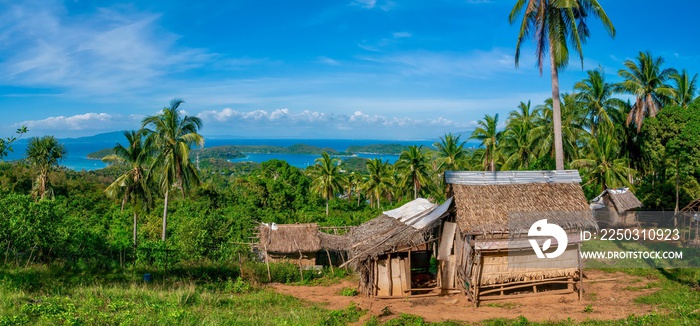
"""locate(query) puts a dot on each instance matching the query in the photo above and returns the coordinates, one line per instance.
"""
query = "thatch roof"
(289, 238)
(509, 202)
(333, 242)
(622, 199)
(387, 233)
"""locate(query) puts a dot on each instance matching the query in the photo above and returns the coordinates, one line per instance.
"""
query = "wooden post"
(301, 271)
(388, 272)
(477, 286)
(580, 272)
(330, 263)
(267, 263)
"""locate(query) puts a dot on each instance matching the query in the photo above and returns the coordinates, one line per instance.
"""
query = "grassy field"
(39, 295)
(42, 296)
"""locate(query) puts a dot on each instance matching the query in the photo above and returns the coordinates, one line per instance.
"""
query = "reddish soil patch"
(608, 299)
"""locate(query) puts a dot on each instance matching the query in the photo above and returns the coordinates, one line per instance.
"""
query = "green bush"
(348, 292)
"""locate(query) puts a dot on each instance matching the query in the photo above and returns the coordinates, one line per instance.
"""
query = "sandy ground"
(608, 299)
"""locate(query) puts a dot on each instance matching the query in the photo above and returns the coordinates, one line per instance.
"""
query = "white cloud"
(372, 4)
(402, 34)
(113, 51)
(367, 4)
(324, 121)
(476, 64)
(82, 122)
(328, 61)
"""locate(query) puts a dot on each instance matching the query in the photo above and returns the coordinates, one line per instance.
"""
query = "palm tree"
(171, 135)
(488, 135)
(554, 25)
(380, 180)
(605, 164)
(596, 95)
(325, 177)
(685, 88)
(43, 153)
(515, 145)
(451, 153)
(354, 183)
(525, 115)
(573, 129)
(413, 165)
(647, 82)
(131, 186)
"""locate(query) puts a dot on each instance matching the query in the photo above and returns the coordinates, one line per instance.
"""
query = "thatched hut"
(388, 251)
(616, 208)
(298, 243)
(496, 210)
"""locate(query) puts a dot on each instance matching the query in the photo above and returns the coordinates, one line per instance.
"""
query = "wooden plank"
(383, 281)
(396, 281)
(446, 241)
(451, 271)
(405, 276)
(420, 295)
(516, 296)
(388, 273)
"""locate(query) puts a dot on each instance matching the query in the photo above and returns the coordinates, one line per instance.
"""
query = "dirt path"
(608, 299)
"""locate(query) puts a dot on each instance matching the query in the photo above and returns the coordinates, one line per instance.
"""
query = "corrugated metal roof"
(511, 177)
(419, 213)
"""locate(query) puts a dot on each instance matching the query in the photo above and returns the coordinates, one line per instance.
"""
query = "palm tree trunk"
(134, 228)
(678, 181)
(556, 112)
(165, 214)
(326, 207)
(415, 188)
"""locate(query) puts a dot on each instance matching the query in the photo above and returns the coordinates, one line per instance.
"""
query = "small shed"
(391, 252)
(297, 243)
(495, 211)
(688, 219)
(616, 208)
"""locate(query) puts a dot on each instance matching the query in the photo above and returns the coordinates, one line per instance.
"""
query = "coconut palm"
(605, 164)
(380, 180)
(171, 135)
(413, 165)
(451, 154)
(647, 82)
(573, 129)
(131, 186)
(43, 153)
(684, 89)
(488, 135)
(596, 95)
(354, 184)
(325, 177)
(515, 145)
(554, 26)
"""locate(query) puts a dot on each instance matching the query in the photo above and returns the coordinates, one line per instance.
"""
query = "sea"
(78, 149)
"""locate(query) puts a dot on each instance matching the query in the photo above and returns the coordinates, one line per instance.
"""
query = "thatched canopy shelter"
(395, 230)
(622, 199)
(615, 207)
(495, 211)
(290, 241)
(382, 246)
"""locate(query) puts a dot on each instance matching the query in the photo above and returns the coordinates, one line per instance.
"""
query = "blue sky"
(298, 69)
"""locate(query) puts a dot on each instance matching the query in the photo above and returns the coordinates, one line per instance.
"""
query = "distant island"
(98, 155)
(394, 149)
(229, 152)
